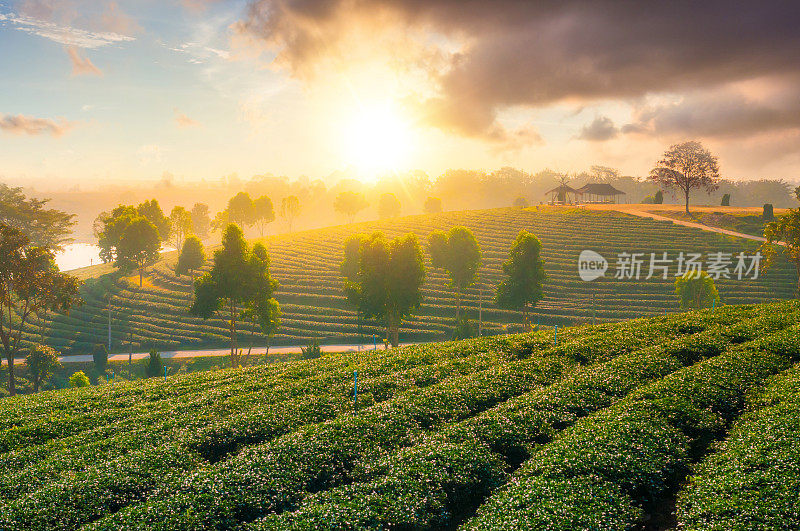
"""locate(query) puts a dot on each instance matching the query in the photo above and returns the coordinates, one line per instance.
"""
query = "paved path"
(179, 354)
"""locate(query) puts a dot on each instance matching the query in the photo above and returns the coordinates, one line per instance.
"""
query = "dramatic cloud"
(600, 130)
(184, 121)
(26, 125)
(82, 65)
(521, 53)
(720, 114)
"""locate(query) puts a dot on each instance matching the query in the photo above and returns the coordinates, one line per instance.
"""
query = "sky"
(100, 91)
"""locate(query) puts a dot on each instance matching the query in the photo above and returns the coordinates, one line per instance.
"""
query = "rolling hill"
(602, 430)
(307, 266)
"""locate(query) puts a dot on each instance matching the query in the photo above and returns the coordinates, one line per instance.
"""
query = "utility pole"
(480, 310)
(594, 312)
(130, 348)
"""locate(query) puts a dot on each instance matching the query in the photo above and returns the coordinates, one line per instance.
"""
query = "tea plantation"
(307, 266)
(613, 427)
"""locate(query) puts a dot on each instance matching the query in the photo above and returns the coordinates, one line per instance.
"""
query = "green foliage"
(311, 351)
(768, 212)
(696, 291)
(42, 361)
(458, 253)
(45, 227)
(783, 237)
(100, 358)
(390, 276)
(432, 205)
(155, 367)
(464, 329)
(525, 274)
(192, 256)
(30, 284)
(726, 200)
(521, 202)
(239, 279)
(349, 204)
(79, 379)
(658, 198)
(439, 428)
(388, 206)
(152, 212)
(138, 246)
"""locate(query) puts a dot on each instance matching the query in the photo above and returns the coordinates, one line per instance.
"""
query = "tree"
(181, 223)
(768, 212)
(264, 212)
(192, 257)
(783, 238)
(696, 290)
(241, 210)
(201, 220)
(239, 279)
(266, 313)
(151, 211)
(155, 367)
(389, 280)
(687, 166)
(138, 247)
(100, 358)
(797, 193)
(458, 253)
(433, 205)
(349, 204)
(42, 361)
(290, 209)
(349, 270)
(30, 284)
(726, 200)
(658, 198)
(521, 202)
(45, 227)
(525, 275)
(221, 221)
(110, 228)
(388, 206)
(79, 379)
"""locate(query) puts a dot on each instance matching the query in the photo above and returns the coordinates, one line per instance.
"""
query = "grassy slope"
(744, 222)
(279, 446)
(306, 264)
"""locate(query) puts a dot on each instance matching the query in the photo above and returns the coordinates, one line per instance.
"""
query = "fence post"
(165, 375)
(555, 336)
(355, 392)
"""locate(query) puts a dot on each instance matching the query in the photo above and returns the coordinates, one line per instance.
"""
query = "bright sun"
(377, 139)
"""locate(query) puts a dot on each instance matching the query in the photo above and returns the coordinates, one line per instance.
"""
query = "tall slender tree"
(239, 280)
(264, 212)
(201, 220)
(290, 210)
(458, 253)
(181, 225)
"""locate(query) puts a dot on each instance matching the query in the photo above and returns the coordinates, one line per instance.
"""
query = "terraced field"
(306, 264)
(608, 429)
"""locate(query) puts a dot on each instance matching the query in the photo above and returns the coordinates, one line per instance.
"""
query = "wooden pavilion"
(599, 193)
(559, 194)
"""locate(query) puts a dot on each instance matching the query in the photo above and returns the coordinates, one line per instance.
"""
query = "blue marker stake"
(374, 343)
(555, 336)
(355, 392)
(165, 375)
(713, 304)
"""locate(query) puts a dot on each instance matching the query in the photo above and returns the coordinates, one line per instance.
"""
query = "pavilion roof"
(599, 189)
(563, 189)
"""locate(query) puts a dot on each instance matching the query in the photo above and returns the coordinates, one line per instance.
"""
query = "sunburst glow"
(377, 139)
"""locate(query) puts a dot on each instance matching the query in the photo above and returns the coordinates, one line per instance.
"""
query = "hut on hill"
(560, 194)
(599, 193)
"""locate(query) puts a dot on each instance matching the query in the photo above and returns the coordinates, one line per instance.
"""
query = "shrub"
(726, 200)
(100, 358)
(658, 198)
(465, 329)
(79, 379)
(311, 351)
(768, 212)
(154, 365)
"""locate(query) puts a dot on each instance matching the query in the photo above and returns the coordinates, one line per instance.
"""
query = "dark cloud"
(25, 125)
(719, 114)
(524, 53)
(600, 130)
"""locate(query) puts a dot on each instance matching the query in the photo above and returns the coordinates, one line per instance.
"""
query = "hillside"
(307, 266)
(512, 432)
